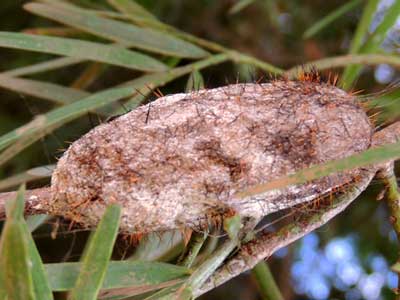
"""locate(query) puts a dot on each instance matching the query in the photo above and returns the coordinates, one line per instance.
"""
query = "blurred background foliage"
(347, 259)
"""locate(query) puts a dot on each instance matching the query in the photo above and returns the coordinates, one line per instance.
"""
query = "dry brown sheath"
(178, 161)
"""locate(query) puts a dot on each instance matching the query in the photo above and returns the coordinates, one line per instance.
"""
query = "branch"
(393, 202)
(266, 282)
(345, 60)
(36, 201)
(265, 245)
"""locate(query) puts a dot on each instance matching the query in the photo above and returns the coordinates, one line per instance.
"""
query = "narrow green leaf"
(89, 75)
(240, 5)
(36, 221)
(195, 246)
(26, 176)
(232, 226)
(376, 39)
(127, 34)
(345, 60)
(119, 274)
(3, 288)
(97, 255)
(44, 66)
(234, 55)
(39, 277)
(159, 246)
(130, 7)
(363, 25)
(330, 18)
(350, 73)
(15, 263)
(139, 15)
(22, 143)
(35, 270)
(245, 72)
(81, 49)
(43, 90)
(204, 271)
(131, 292)
(44, 124)
(99, 11)
(266, 282)
(369, 157)
(388, 106)
(195, 82)
(164, 294)
(15, 208)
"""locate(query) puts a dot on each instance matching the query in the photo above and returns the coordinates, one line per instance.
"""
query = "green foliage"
(96, 256)
(232, 227)
(43, 90)
(324, 22)
(374, 41)
(120, 32)
(23, 273)
(369, 157)
(195, 82)
(119, 274)
(114, 55)
(24, 276)
(266, 283)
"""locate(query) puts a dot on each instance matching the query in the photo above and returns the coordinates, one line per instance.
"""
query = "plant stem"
(266, 244)
(393, 202)
(209, 45)
(194, 249)
(346, 60)
(266, 283)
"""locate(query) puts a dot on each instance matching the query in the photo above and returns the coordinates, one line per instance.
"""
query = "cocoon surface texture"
(178, 161)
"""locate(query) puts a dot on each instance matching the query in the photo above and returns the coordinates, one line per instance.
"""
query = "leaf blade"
(195, 82)
(371, 156)
(120, 32)
(131, 8)
(44, 66)
(120, 274)
(81, 49)
(96, 257)
(43, 90)
(374, 41)
(26, 176)
(14, 258)
(39, 277)
(330, 18)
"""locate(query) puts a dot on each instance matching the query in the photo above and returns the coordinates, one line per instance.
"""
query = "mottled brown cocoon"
(179, 160)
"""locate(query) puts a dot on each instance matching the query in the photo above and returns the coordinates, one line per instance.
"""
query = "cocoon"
(178, 161)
